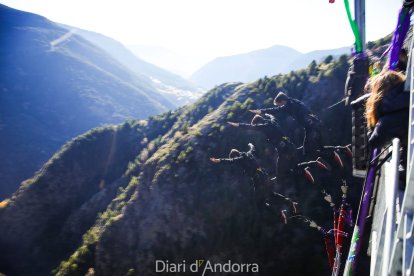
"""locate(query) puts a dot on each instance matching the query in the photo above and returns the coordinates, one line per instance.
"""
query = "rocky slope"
(117, 199)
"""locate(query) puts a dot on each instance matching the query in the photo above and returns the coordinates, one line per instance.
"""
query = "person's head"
(257, 119)
(380, 85)
(234, 153)
(281, 99)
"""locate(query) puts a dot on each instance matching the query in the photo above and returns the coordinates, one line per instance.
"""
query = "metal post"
(360, 20)
(390, 201)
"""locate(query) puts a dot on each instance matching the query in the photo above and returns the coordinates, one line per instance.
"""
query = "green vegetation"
(79, 262)
(183, 156)
(380, 42)
(328, 59)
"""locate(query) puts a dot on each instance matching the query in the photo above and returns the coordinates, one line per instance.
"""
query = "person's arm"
(252, 149)
(247, 126)
(225, 160)
(271, 110)
(306, 164)
(240, 125)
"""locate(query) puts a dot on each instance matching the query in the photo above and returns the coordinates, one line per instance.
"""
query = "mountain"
(178, 90)
(253, 65)
(245, 67)
(180, 64)
(116, 199)
(54, 86)
(305, 59)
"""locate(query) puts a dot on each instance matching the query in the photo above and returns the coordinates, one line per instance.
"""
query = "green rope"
(354, 27)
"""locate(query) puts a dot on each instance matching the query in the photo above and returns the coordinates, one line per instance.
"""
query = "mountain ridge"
(56, 85)
(247, 67)
(166, 82)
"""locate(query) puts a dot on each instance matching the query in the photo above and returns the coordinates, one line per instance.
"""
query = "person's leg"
(305, 143)
(276, 162)
(312, 142)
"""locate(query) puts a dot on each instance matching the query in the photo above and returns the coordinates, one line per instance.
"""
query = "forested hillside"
(116, 199)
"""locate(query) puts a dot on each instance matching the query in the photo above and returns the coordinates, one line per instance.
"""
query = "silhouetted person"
(266, 124)
(246, 160)
(249, 164)
(302, 114)
(286, 154)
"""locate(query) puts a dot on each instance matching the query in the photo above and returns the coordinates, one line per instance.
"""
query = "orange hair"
(380, 85)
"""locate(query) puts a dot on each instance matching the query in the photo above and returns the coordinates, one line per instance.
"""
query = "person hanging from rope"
(262, 185)
(248, 162)
(387, 110)
(269, 126)
(266, 124)
(303, 115)
(286, 156)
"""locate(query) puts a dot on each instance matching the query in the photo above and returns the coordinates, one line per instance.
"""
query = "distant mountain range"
(253, 65)
(177, 89)
(305, 59)
(165, 58)
(55, 85)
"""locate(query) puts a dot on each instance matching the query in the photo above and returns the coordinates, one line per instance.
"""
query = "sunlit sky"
(212, 28)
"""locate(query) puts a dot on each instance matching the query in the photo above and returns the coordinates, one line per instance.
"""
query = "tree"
(328, 59)
(270, 86)
(313, 68)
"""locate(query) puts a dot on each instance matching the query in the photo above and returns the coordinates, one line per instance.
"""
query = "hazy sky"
(211, 28)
